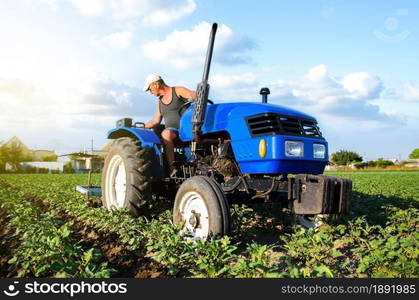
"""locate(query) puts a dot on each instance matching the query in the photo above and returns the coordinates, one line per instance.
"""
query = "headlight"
(319, 151)
(294, 149)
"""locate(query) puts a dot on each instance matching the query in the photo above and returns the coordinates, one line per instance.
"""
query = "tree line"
(345, 157)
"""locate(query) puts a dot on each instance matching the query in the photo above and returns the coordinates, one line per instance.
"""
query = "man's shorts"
(172, 129)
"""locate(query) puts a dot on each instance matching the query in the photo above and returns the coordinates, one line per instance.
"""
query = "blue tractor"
(226, 153)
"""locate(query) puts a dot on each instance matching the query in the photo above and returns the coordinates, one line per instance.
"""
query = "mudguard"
(147, 137)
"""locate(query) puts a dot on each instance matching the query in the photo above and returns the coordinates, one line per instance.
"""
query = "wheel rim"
(116, 182)
(195, 215)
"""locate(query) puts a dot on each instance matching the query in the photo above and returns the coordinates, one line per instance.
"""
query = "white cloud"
(73, 107)
(362, 85)
(71, 104)
(153, 13)
(242, 86)
(187, 48)
(119, 40)
(411, 92)
(78, 92)
(22, 100)
(164, 16)
(318, 86)
(316, 92)
(50, 3)
(233, 81)
(90, 8)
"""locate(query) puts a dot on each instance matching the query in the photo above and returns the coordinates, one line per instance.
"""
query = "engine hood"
(231, 117)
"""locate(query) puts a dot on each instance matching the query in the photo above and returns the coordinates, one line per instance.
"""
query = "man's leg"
(168, 138)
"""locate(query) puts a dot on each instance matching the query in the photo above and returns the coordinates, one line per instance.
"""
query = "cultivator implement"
(89, 189)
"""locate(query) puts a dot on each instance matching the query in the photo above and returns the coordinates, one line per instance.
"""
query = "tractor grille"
(275, 124)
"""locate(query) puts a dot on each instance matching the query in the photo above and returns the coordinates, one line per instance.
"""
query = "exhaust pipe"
(202, 89)
(264, 92)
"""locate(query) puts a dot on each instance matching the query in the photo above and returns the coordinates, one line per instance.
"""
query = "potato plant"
(379, 238)
(47, 248)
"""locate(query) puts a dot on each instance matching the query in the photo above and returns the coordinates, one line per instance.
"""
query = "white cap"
(149, 80)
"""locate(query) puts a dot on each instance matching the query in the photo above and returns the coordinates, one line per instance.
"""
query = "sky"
(70, 68)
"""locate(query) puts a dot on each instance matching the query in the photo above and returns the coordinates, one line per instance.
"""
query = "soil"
(8, 242)
(119, 256)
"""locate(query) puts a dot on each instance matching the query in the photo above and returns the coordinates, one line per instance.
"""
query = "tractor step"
(89, 190)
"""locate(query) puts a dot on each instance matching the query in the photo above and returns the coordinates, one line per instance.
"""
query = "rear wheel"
(201, 207)
(126, 176)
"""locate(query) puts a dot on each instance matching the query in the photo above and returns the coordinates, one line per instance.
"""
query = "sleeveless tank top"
(170, 112)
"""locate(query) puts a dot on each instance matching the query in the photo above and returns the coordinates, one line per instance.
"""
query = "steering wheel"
(142, 125)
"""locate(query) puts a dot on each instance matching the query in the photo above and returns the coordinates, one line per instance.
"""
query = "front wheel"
(201, 207)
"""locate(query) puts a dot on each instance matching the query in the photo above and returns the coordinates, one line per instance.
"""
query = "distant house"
(35, 158)
(37, 155)
(331, 167)
(84, 162)
(411, 163)
(395, 161)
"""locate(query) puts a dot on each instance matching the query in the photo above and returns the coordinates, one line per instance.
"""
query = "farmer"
(170, 99)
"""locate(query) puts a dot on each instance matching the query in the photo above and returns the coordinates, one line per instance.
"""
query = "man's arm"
(156, 119)
(185, 93)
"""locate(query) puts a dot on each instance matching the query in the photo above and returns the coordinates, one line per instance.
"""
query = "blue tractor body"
(247, 124)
